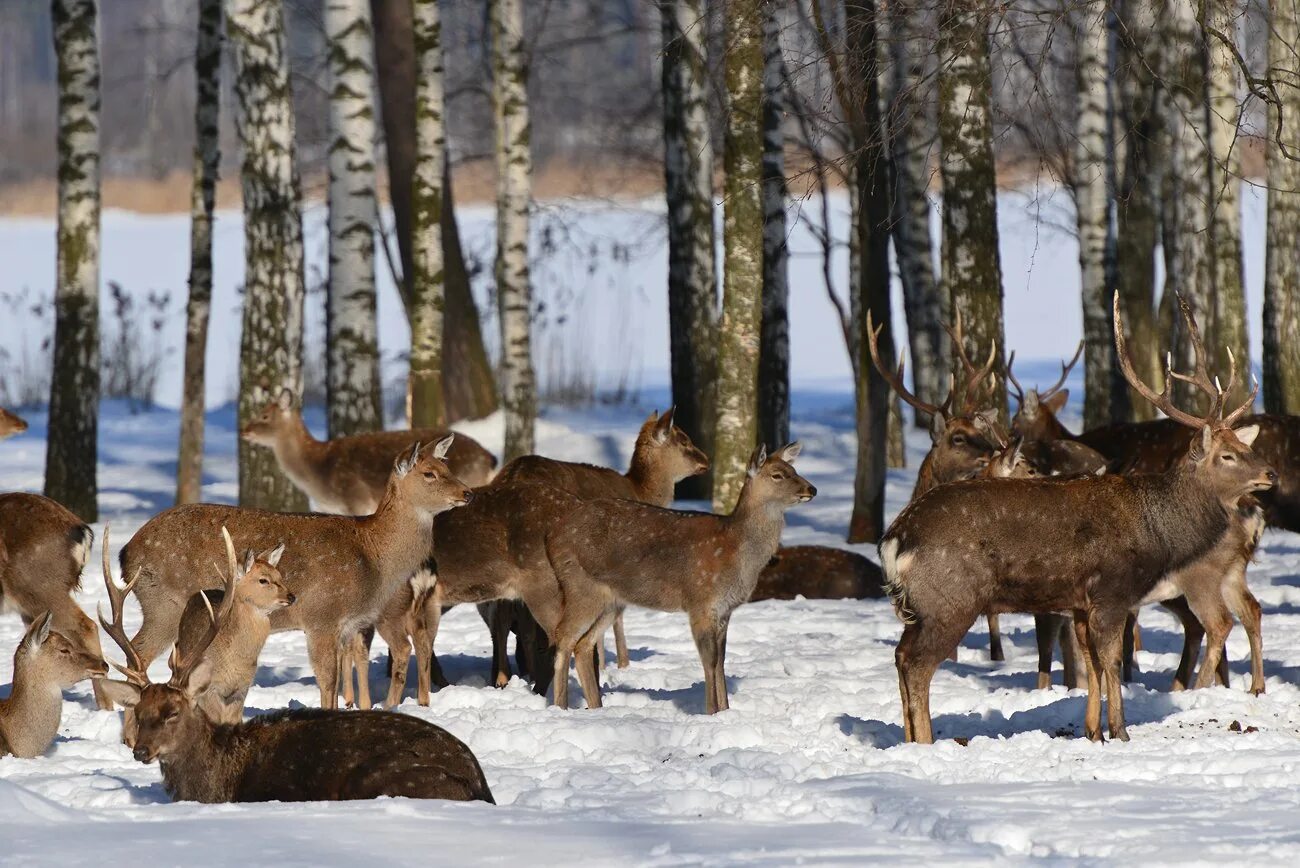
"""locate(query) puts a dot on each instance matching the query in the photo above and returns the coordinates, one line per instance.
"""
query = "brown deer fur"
(348, 475)
(818, 573)
(43, 549)
(342, 569)
(10, 424)
(45, 663)
(606, 552)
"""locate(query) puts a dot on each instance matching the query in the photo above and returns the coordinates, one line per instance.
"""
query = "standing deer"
(45, 664)
(289, 756)
(10, 424)
(1096, 546)
(349, 475)
(609, 552)
(253, 591)
(43, 549)
(342, 569)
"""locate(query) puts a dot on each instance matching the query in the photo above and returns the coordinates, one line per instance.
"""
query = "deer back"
(366, 460)
(818, 573)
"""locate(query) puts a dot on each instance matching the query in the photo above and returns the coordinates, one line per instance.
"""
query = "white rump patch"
(423, 582)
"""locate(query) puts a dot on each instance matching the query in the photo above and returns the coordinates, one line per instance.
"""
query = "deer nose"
(468, 496)
(1271, 476)
(293, 598)
(141, 754)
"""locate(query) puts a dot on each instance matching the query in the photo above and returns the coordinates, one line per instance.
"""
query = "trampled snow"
(807, 765)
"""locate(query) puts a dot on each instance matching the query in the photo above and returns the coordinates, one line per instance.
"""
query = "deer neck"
(401, 536)
(650, 481)
(206, 769)
(924, 476)
(756, 526)
(299, 453)
(1189, 517)
(30, 717)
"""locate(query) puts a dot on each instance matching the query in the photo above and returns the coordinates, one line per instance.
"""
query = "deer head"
(423, 480)
(661, 444)
(1221, 457)
(257, 581)
(963, 440)
(1011, 463)
(275, 420)
(772, 478)
(10, 424)
(61, 660)
(1036, 413)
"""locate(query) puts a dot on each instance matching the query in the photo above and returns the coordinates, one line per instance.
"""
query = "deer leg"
(361, 664)
(704, 631)
(620, 641)
(399, 651)
(497, 615)
(1243, 604)
(1212, 612)
(1045, 629)
(1193, 632)
(1071, 656)
(903, 656)
(995, 638)
(1108, 631)
(1092, 712)
(417, 626)
(585, 661)
(323, 650)
(719, 672)
(1128, 647)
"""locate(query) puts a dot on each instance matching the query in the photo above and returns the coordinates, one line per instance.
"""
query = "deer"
(10, 424)
(492, 551)
(252, 591)
(1048, 444)
(296, 755)
(962, 443)
(818, 573)
(976, 546)
(43, 549)
(45, 664)
(609, 552)
(341, 569)
(349, 475)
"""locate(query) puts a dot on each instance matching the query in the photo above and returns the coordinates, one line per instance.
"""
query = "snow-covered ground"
(808, 764)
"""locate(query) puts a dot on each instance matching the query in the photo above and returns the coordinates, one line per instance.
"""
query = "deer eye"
(1229, 458)
(959, 440)
(171, 716)
(430, 475)
(263, 582)
(778, 476)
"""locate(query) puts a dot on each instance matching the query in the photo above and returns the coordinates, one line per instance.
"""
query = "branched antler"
(134, 670)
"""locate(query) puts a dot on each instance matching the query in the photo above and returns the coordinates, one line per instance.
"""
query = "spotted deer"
(962, 442)
(342, 569)
(818, 573)
(43, 549)
(10, 424)
(298, 755)
(45, 664)
(609, 552)
(349, 475)
(252, 591)
(972, 547)
(1052, 449)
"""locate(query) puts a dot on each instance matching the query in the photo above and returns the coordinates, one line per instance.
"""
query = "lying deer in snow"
(818, 573)
(300, 755)
(1097, 546)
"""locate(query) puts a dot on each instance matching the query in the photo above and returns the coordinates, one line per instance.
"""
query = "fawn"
(45, 663)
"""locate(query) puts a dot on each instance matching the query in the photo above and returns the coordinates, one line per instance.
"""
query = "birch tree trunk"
(1281, 253)
(972, 266)
(688, 187)
(469, 386)
(871, 228)
(912, 133)
(514, 190)
(1092, 207)
(1192, 273)
(71, 455)
(1225, 108)
(270, 353)
(1138, 191)
(774, 352)
(742, 303)
(207, 164)
(425, 391)
(353, 399)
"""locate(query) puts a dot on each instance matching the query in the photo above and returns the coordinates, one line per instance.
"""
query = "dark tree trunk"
(774, 349)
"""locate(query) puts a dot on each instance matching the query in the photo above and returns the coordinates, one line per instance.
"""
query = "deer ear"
(938, 424)
(756, 460)
(443, 446)
(790, 452)
(38, 632)
(200, 678)
(249, 558)
(1246, 434)
(1057, 402)
(406, 461)
(664, 426)
(285, 400)
(1198, 449)
(125, 695)
(273, 556)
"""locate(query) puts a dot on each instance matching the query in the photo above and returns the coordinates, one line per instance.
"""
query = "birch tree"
(270, 353)
(774, 351)
(1281, 254)
(972, 270)
(1138, 191)
(207, 164)
(742, 303)
(514, 190)
(912, 135)
(1092, 207)
(688, 188)
(1225, 108)
(71, 455)
(353, 396)
(425, 391)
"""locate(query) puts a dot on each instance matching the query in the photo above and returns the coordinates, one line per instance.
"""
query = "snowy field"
(807, 766)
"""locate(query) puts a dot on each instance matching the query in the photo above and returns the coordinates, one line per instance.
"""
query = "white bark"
(271, 346)
(352, 368)
(514, 192)
(71, 449)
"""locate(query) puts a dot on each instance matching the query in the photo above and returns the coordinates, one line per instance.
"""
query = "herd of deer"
(1082, 529)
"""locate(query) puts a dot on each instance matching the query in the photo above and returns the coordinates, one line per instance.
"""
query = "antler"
(1011, 378)
(895, 378)
(974, 375)
(1249, 404)
(134, 670)
(183, 666)
(1201, 378)
(1044, 394)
